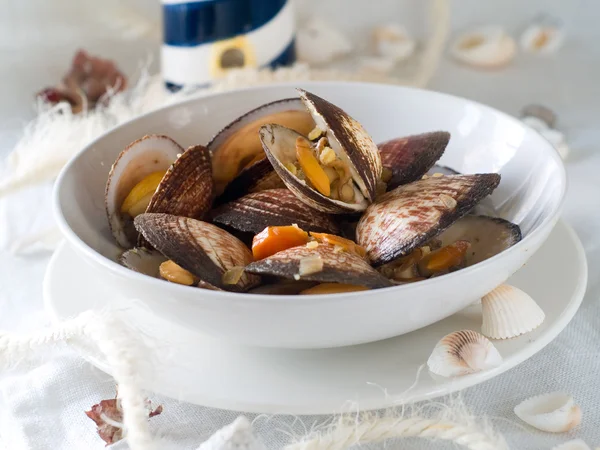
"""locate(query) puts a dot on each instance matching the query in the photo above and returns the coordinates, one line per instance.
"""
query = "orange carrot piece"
(275, 239)
(444, 258)
(311, 167)
(346, 244)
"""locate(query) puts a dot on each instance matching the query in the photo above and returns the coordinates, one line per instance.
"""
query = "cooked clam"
(335, 169)
(273, 207)
(237, 146)
(407, 159)
(199, 247)
(256, 177)
(132, 181)
(322, 263)
(407, 217)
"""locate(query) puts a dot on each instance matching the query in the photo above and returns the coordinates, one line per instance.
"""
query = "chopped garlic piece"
(310, 264)
(315, 133)
(312, 244)
(327, 156)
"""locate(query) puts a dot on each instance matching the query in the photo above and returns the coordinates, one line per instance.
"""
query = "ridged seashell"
(237, 145)
(143, 260)
(410, 157)
(485, 47)
(554, 412)
(542, 38)
(350, 142)
(488, 236)
(461, 353)
(199, 247)
(575, 444)
(509, 312)
(273, 207)
(152, 153)
(410, 215)
(318, 42)
(393, 41)
(338, 266)
(257, 177)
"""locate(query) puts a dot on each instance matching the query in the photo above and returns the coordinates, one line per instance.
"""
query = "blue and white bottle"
(205, 38)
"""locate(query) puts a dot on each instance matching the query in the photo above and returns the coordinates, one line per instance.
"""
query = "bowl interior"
(482, 140)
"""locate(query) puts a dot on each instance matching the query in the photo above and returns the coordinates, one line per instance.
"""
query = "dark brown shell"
(338, 267)
(255, 178)
(405, 218)
(273, 207)
(488, 236)
(349, 137)
(410, 157)
(187, 189)
(199, 247)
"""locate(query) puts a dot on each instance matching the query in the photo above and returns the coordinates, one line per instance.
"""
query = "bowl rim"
(113, 266)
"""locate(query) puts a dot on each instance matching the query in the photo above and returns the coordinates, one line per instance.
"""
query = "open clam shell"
(273, 207)
(409, 158)
(488, 236)
(350, 144)
(150, 154)
(554, 412)
(407, 217)
(199, 247)
(461, 353)
(143, 260)
(484, 47)
(237, 145)
(256, 177)
(331, 266)
(509, 312)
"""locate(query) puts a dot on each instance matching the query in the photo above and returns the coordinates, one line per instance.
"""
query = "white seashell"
(318, 42)
(509, 312)
(542, 39)
(461, 353)
(555, 412)
(575, 444)
(485, 47)
(393, 41)
(377, 65)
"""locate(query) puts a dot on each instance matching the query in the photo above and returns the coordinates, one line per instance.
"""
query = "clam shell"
(338, 267)
(542, 38)
(574, 444)
(199, 247)
(461, 353)
(149, 154)
(187, 189)
(143, 260)
(488, 236)
(273, 207)
(258, 177)
(407, 217)
(238, 142)
(393, 41)
(410, 157)
(280, 146)
(554, 412)
(509, 312)
(484, 47)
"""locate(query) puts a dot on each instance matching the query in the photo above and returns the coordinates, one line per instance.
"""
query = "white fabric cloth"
(43, 407)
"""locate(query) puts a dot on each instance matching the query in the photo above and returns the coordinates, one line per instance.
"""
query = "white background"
(37, 41)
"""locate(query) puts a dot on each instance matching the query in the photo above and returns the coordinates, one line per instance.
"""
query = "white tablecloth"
(42, 407)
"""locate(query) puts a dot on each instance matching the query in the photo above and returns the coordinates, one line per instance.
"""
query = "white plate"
(198, 369)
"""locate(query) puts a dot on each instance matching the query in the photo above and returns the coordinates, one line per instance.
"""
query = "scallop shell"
(542, 38)
(485, 47)
(273, 207)
(147, 155)
(199, 247)
(393, 41)
(338, 267)
(410, 157)
(488, 236)
(509, 312)
(410, 215)
(143, 260)
(461, 353)
(554, 412)
(574, 444)
(238, 144)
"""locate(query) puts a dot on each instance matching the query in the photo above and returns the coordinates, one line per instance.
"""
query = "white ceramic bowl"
(531, 193)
